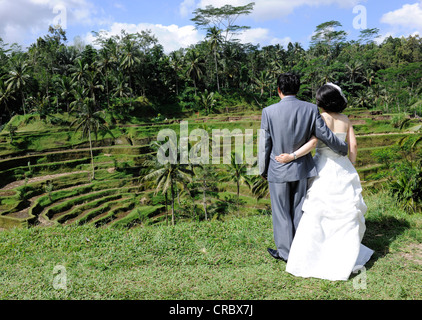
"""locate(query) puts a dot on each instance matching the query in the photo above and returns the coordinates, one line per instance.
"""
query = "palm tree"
(260, 187)
(176, 63)
(121, 88)
(79, 71)
(105, 63)
(129, 58)
(18, 77)
(89, 122)
(215, 40)
(5, 95)
(207, 101)
(79, 95)
(93, 84)
(64, 87)
(169, 176)
(262, 81)
(354, 69)
(194, 67)
(237, 172)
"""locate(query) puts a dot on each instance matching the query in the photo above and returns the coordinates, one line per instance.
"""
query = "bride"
(327, 243)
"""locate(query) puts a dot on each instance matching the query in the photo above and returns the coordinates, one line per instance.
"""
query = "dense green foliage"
(131, 73)
(78, 164)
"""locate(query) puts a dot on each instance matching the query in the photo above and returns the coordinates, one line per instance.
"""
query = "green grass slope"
(207, 260)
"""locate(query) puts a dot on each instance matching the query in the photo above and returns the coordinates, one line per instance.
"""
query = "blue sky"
(272, 22)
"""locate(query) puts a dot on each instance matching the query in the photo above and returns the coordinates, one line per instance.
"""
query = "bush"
(398, 120)
(406, 186)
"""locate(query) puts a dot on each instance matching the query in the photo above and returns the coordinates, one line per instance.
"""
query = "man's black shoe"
(275, 255)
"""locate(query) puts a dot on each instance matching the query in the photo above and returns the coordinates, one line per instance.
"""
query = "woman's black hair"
(288, 83)
(331, 99)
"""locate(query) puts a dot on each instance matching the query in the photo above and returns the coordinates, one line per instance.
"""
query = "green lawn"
(207, 260)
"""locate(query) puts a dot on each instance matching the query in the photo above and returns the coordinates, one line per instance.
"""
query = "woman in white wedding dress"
(327, 243)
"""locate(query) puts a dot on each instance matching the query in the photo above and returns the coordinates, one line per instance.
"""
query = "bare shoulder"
(344, 118)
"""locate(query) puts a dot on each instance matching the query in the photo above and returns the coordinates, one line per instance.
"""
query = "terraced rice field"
(45, 176)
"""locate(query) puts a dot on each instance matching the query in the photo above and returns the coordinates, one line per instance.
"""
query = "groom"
(285, 127)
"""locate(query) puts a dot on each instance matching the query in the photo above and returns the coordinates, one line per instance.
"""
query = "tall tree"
(222, 18)
(194, 67)
(215, 40)
(89, 122)
(106, 61)
(168, 177)
(237, 172)
(18, 78)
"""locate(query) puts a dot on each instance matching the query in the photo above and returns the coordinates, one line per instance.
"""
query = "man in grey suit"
(285, 127)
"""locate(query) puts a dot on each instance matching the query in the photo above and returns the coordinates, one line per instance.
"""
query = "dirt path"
(19, 183)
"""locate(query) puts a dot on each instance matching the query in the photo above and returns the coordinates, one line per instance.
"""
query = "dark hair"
(288, 83)
(329, 98)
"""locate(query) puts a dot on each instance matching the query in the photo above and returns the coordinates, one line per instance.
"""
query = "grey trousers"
(286, 203)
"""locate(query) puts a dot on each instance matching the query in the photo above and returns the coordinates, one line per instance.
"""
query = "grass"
(207, 260)
(222, 259)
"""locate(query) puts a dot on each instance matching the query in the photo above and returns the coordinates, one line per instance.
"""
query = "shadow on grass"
(380, 233)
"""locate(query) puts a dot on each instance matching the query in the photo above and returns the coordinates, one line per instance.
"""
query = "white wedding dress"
(327, 243)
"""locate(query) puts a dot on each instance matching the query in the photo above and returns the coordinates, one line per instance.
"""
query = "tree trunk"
(23, 103)
(167, 211)
(216, 70)
(92, 157)
(172, 204)
(108, 94)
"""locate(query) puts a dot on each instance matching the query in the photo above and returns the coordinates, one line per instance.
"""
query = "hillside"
(45, 171)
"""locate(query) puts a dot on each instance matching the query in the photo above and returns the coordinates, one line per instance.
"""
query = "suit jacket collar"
(289, 98)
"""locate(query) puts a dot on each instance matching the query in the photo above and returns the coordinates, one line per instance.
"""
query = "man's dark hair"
(289, 84)
(330, 99)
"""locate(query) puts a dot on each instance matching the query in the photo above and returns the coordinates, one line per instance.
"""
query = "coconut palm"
(65, 87)
(237, 172)
(79, 71)
(215, 39)
(262, 81)
(105, 63)
(169, 176)
(93, 84)
(207, 101)
(194, 67)
(176, 63)
(260, 187)
(354, 70)
(129, 58)
(5, 96)
(89, 122)
(18, 78)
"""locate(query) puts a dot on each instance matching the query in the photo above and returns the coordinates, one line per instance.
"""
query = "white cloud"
(271, 9)
(171, 37)
(255, 36)
(283, 42)
(404, 22)
(187, 7)
(262, 36)
(21, 20)
(408, 16)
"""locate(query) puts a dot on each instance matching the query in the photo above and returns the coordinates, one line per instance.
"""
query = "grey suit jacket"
(285, 127)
